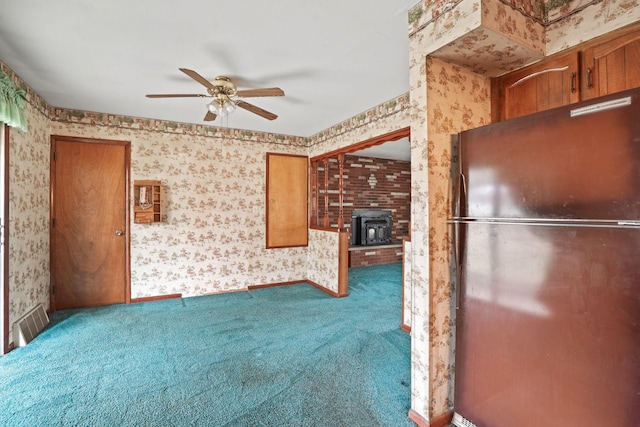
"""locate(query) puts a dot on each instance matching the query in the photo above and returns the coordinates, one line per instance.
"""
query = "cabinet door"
(548, 84)
(612, 66)
(287, 195)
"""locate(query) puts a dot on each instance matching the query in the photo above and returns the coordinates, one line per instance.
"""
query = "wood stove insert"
(370, 227)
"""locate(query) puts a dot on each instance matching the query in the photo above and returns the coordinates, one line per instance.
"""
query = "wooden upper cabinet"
(607, 64)
(551, 83)
(612, 66)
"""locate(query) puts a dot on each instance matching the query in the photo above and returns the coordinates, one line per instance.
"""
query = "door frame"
(4, 205)
(52, 186)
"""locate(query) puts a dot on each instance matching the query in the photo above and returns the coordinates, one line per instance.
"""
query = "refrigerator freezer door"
(548, 327)
(551, 165)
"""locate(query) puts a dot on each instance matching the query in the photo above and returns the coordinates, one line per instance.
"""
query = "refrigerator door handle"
(456, 195)
(462, 196)
(460, 193)
(456, 259)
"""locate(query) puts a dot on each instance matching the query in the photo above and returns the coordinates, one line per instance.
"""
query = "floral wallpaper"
(544, 12)
(488, 53)
(28, 223)
(534, 9)
(487, 36)
(493, 37)
(420, 300)
(29, 215)
(323, 255)
(365, 123)
(173, 128)
(406, 283)
(589, 20)
(428, 11)
(556, 10)
(213, 239)
(458, 100)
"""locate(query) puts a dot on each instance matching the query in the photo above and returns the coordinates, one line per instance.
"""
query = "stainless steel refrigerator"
(547, 226)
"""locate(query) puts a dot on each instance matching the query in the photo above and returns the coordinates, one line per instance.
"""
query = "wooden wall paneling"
(287, 200)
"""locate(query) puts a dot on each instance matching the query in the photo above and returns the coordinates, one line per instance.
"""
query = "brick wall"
(370, 183)
(375, 255)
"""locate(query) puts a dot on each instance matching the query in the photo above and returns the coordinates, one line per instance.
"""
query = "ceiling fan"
(225, 96)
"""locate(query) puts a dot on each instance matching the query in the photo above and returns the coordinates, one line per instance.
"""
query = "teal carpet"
(285, 356)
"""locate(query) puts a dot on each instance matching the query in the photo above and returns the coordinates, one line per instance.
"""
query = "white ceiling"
(394, 150)
(334, 59)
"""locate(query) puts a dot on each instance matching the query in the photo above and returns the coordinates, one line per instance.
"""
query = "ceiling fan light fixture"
(224, 92)
(213, 106)
(221, 107)
(230, 106)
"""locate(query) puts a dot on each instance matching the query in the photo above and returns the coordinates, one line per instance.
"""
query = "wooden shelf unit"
(151, 211)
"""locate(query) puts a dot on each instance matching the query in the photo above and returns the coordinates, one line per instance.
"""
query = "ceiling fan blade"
(209, 117)
(256, 110)
(197, 77)
(252, 93)
(176, 95)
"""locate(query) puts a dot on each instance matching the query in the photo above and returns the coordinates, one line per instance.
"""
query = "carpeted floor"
(285, 356)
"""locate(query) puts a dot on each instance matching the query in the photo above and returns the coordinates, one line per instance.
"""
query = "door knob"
(119, 233)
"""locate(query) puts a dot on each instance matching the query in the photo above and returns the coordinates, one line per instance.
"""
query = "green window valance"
(12, 102)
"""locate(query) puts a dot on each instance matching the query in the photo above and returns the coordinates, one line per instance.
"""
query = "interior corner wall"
(323, 258)
(29, 171)
(213, 239)
(458, 100)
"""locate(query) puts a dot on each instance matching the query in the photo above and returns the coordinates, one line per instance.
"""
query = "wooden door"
(89, 238)
(542, 86)
(612, 66)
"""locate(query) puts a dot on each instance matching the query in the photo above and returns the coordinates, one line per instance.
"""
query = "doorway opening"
(359, 177)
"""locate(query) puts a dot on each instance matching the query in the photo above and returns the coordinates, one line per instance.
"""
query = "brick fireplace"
(372, 184)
